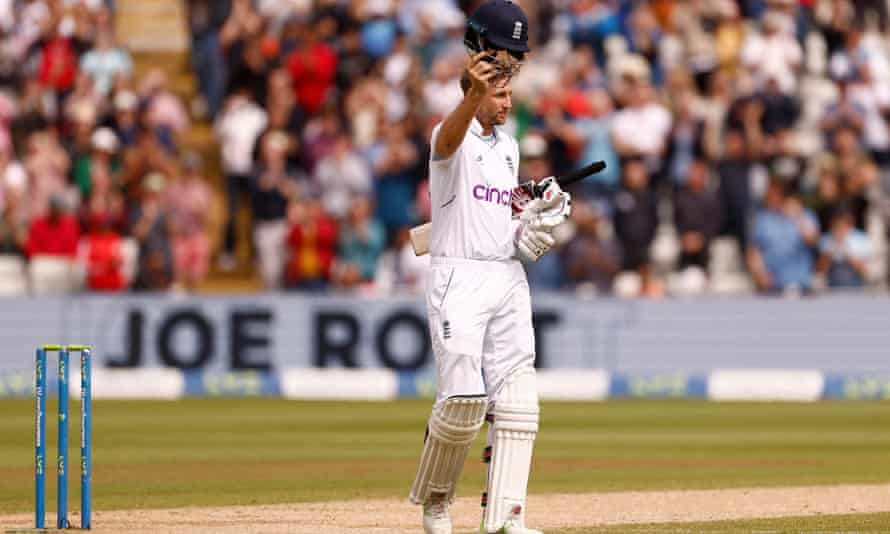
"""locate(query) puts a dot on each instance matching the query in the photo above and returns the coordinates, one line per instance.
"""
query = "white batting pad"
(515, 427)
(453, 426)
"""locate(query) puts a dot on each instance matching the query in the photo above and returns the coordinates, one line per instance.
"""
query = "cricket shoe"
(436, 519)
(513, 525)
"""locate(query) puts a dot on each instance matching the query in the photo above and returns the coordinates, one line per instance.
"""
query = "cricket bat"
(522, 195)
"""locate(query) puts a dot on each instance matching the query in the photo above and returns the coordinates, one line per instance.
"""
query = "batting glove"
(532, 243)
(546, 215)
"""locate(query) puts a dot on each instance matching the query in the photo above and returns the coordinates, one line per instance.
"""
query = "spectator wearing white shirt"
(441, 93)
(105, 62)
(775, 53)
(342, 175)
(237, 129)
(860, 52)
(641, 129)
(873, 99)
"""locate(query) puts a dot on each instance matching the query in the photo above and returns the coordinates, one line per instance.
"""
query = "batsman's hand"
(532, 243)
(481, 74)
(545, 215)
(549, 191)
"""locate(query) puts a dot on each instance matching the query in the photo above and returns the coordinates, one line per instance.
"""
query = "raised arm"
(455, 125)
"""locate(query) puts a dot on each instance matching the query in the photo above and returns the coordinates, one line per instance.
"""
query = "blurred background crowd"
(747, 143)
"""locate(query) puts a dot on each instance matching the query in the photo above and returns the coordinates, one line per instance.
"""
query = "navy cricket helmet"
(498, 25)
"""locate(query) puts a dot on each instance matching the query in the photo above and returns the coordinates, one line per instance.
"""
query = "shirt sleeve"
(434, 158)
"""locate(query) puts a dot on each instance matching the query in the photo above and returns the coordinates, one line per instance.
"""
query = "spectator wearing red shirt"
(313, 244)
(58, 63)
(54, 234)
(312, 68)
(102, 254)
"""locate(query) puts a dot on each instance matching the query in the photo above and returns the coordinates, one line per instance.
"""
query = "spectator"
(847, 152)
(441, 91)
(54, 234)
(857, 187)
(774, 53)
(353, 62)
(714, 108)
(283, 114)
(147, 155)
(361, 242)
(399, 269)
(243, 21)
(190, 200)
(150, 224)
(125, 121)
(859, 53)
(874, 98)
(534, 162)
(846, 112)
(686, 139)
(312, 67)
(206, 18)
(780, 110)
(734, 170)
(593, 257)
(635, 216)
(47, 165)
(312, 243)
(13, 229)
(588, 133)
(249, 66)
(643, 35)
(164, 112)
(395, 161)
(13, 178)
(101, 251)
(271, 192)
(237, 129)
(105, 62)
(784, 160)
(104, 203)
(828, 195)
(697, 214)
(83, 104)
(320, 136)
(641, 129)
(58, 63)
(104, 144)
(844, 253)
(780, 255)
(343, 175)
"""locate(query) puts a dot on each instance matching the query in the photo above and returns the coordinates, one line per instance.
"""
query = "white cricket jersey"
(470, 193)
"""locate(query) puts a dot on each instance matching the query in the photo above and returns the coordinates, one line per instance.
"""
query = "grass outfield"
(254, 451)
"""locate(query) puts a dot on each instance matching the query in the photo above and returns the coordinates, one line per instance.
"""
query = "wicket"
(85, 436)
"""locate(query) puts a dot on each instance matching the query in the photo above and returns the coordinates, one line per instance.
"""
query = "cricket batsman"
(478, 300)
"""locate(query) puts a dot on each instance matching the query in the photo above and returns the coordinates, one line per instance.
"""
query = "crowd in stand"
(747, 141)
(95, 191)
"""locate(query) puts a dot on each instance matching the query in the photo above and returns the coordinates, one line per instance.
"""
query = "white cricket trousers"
(480, 319)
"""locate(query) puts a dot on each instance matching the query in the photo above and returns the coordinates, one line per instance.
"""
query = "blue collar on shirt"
(476, 129)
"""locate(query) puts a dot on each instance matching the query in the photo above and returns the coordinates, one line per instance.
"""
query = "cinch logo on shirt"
(492, 194)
